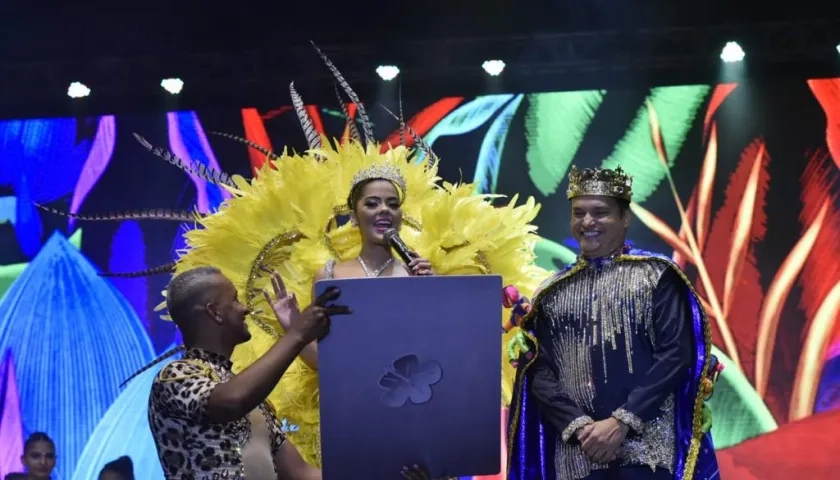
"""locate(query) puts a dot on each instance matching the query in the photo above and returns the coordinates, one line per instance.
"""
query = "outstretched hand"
(314, 321)
(284, 304)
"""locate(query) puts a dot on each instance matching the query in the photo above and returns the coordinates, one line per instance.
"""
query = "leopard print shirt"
(188, 445)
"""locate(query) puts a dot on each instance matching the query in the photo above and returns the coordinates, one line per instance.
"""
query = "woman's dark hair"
(356, 191)
(35, 438)
(122, 466)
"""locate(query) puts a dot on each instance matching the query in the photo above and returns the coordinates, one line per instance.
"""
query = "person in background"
(16, 476)
(38, 456)
(119, 469)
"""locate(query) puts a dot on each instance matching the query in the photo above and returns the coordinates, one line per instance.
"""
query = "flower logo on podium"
(408, 379)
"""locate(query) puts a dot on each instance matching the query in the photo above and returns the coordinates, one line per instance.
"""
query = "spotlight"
(838, 48)
(387, 72)
(493, 67)
(732, 52)
(172, 85)
(78, 90)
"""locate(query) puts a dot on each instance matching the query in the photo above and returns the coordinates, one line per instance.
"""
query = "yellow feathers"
(284, 220)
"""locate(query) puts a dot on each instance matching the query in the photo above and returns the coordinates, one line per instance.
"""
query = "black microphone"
(394, 240)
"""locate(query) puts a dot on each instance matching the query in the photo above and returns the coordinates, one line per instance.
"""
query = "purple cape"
(531, 441)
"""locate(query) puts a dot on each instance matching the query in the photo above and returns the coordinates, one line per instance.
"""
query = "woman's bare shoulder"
(346, 269)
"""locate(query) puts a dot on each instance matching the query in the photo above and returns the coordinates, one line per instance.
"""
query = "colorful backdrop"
(738, 182)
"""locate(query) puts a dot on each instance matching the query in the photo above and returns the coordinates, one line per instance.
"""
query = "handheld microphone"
(394, 240)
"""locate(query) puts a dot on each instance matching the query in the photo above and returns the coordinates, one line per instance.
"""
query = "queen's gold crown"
(600, 182)
(381, 171)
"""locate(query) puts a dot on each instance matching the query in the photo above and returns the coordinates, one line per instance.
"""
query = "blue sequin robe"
(622, 336)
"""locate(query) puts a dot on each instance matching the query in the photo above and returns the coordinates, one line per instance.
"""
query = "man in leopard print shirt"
(208, 423)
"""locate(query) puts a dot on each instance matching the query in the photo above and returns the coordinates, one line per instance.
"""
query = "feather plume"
(164, 356)
(148, 214)
(312, 136)
(196, 168)
(350, 125)
(402, 118)
(158, 270)
(418, 140)
(268, 153)
(366, 125)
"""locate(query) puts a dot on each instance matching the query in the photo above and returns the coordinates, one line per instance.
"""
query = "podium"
(412, 376)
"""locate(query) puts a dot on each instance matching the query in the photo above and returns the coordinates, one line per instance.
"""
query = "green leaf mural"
(555, 124)
(10, 273)
(676, 107)
(737, 401)
(552, 255)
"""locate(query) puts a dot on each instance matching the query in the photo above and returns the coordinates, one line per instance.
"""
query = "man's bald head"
(190, 291)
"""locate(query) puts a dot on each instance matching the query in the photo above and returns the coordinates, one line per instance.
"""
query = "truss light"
(732, 52)
(493, 67)
(387, 72)
(78, 90)
(172, 85)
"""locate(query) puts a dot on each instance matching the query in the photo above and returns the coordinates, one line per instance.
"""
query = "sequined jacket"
(622, 336)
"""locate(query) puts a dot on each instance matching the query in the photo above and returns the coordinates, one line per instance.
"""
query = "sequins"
(656, 445)
(574, 425)
(630, 419)
(599, 309)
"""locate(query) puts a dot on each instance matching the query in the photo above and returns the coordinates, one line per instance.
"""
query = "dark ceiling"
(45, 45)
(35, 30)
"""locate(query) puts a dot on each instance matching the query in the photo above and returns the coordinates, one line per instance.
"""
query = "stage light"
(172, 85)
(387, 72)
(78, 90)
(732, 52)
(838, 48)
(493, 67)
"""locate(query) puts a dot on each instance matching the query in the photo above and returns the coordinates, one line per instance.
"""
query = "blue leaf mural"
(41, 160)
(128, 254)
(124, 430)
(490, 155)
(28, 227)
(74, 338)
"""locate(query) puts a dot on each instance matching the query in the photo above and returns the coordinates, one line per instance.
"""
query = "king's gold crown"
(384, 171)
(600, 182)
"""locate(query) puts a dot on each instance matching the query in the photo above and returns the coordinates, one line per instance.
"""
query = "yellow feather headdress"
(284, 220)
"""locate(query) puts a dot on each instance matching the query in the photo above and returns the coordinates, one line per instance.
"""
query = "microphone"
(394, 240)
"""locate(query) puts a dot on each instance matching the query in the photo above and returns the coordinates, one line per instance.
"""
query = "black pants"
(630, 473)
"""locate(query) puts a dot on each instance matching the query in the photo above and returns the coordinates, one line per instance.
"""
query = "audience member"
(38, 456)
(120, 469)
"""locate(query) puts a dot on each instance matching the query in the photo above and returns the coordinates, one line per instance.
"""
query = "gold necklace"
(378, 271)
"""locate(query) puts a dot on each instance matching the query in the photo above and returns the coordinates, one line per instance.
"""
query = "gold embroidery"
(630, 419)
(613, 301)
(574, 425)
(697, 419)
(536, 314)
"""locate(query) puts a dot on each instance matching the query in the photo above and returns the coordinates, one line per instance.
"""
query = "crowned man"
(618, 363)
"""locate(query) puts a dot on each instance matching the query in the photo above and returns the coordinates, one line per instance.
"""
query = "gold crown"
(381, 171)
(601, 182)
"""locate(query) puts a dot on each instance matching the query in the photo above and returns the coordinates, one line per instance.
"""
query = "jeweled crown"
(601, 182)
(385, 171)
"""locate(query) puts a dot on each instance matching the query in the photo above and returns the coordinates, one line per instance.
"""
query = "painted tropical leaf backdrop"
(772, 289)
